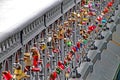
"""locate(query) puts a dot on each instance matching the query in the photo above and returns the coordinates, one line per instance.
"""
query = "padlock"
(85, 36)
(85, 41)
(100, 25)
(55, 50)
(105, 10)
(66, 62)
(91, 13)
(82, 31)
(73, 14)
(69, 43)
(35, 56)
(69, 20)
(60, 36)
(84, 23)
(66, 74)
(27, 59)
(86, 13)
(58, 70)
(49, 40)
(74, 19)
(7, 75)
(110, 4)
(61, 33)
(69, 32)
(85, 19)
(83, 2)
(55, 36)
(61, 65)
(91, 28)
(104, 21)
(74, 48)
(78, 15)
(90, 5)
(78, 44)
(99, 18)
(43, 46)
(69, 56)
(89, 32)
(66, 23)
(53, 76)
(18, 73)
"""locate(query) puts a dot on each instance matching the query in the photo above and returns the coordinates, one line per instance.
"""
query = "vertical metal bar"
(45, 57)
(1, 64)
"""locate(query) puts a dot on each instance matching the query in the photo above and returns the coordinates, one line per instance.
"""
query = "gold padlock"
(70, 20)
(66, 23)
(85, 19)
(85, 36)
(43, 46)
(27, 59)
(73, 14)
(18, 73)
(78, 15)
(66, 74)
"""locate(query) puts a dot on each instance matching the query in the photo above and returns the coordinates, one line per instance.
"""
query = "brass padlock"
(66, 23)
(70, 20)
(85, 36)
(27, 59)
(78, 15)
(18, 73)
(85, 19)
(69, 31)
(73, 14)
(61, 33)
(43, 46)
(82, 31)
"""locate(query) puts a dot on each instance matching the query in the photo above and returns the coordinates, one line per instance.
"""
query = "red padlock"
(99, 18)
(65, 62)
(35, 61)
(73, 49)
(55, 50)
(7, 75)
(53, 76)
(110, 4)
(61, 65)
(78, 44)
(91, 28)
(105, 10)
(89, 31)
